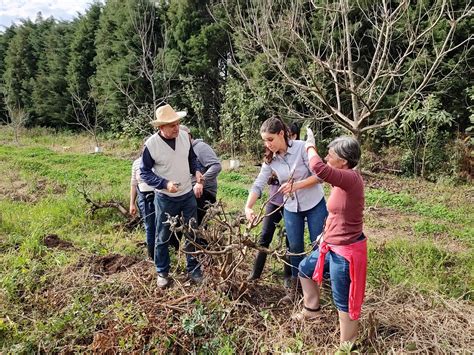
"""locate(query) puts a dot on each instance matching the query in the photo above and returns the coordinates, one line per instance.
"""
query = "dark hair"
(347, 148)
(274, 125)
(295, 129)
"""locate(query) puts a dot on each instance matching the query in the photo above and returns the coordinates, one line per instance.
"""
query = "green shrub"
(423, 135)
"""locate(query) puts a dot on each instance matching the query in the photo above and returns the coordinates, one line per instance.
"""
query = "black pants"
(269, 224)
(202, 201)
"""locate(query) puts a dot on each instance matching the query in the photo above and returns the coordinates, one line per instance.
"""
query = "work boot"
(258, 266)
(286, 272)
(293, 292)
(196, 276)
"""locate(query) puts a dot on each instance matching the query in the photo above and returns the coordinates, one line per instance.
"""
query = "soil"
(15, 189)
(110, 264)
(53, 241)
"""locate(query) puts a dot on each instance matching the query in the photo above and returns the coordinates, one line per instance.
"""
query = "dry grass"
(87, 294)
(394, 320)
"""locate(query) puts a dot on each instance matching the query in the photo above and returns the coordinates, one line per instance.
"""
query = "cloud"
(11, 11)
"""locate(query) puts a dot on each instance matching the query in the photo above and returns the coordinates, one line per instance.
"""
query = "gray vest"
(171, 164)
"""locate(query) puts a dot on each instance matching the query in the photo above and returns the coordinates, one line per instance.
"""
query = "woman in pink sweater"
(343, 249)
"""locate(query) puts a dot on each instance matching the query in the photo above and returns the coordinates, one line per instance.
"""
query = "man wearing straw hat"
(167, 164)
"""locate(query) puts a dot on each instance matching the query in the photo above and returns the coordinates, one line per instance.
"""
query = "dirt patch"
(14, 189)
(53, 241)
(109, 264)
(264, 294)
(17, 191)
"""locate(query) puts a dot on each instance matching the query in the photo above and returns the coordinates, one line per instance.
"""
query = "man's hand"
(198, 190)
(172, 186)
(310, 142)
(199, 177)
(249, 214)
(133, 210)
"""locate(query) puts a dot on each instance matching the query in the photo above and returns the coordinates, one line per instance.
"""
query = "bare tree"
(358, 65)
(148, 64)
(88, 116)
(18, 117)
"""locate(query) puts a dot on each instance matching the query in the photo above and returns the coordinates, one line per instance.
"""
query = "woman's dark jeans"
(146, 205)
(202, 203)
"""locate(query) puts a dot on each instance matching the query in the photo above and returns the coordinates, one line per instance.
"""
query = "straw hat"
(165, 115)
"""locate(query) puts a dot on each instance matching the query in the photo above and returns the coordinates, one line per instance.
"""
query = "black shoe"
(196, 276)
(258, 265)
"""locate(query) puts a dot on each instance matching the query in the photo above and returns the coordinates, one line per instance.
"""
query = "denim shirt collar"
(290, 150)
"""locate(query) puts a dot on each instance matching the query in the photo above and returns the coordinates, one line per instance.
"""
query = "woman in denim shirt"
(273, 216)
(303, 194)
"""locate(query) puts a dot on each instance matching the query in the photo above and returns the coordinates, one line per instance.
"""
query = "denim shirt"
(295, 159)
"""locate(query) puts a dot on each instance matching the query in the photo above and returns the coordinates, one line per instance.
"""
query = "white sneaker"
(162, 280)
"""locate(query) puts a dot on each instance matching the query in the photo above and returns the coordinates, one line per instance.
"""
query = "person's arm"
(343, 178)
(287, 187)
(133, 200)
(208, 158)
(194, 163)
(251, 199)
(256, 190)
(133, 189)
(212, 171)
(149, 176)
(195, 168)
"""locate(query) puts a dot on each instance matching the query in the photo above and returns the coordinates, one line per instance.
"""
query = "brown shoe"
(308, 314)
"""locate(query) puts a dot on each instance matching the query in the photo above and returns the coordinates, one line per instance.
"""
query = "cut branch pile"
(131, 222)
(224, 241)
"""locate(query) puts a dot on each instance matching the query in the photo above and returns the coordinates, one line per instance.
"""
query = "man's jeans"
(294, 225)
(146, 205)
(184, 205)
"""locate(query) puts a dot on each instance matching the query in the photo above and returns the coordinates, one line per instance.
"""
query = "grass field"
(73, 282)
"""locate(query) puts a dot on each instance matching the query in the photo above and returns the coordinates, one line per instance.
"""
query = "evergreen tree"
(20, 68)
(81, 67)
(5, 39)
(51, 100)
(199, 41)
(119, 86)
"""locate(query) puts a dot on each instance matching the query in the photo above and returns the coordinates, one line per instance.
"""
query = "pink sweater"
(356, 255)
(345, 204)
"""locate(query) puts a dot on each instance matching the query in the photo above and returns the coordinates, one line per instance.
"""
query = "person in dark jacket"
(211, 166)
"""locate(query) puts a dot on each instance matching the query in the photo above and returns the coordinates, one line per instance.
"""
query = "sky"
(11, 11)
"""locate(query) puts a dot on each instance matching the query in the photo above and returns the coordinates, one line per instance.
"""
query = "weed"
(57, 300)
(422, 266)
(427, 227)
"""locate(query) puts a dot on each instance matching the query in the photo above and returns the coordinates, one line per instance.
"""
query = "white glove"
(310, 142)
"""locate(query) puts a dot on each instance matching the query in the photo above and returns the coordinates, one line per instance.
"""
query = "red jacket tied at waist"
(356, 255)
